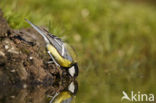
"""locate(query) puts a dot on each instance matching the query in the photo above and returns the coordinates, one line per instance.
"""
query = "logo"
(140, 97)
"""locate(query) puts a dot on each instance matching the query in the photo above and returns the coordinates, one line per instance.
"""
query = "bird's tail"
(38, 30)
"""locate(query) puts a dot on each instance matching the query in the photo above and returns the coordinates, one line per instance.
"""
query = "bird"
(67, 95)
(63, 97)
(60, 52)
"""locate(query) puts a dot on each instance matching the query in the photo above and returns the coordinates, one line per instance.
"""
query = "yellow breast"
(62, 61)
(61, 97)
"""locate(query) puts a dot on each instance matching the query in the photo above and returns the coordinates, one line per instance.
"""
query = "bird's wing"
(71, 52)
(55, 41)
(60, 46)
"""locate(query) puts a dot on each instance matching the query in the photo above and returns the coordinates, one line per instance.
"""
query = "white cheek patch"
(71, 87)
(71, 71)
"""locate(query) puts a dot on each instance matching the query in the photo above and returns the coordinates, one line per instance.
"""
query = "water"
(38, 93)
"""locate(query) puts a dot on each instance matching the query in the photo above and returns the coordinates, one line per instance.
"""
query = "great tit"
(60, 52)
(66, 96)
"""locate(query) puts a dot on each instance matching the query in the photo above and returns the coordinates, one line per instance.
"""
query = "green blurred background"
(115, 41)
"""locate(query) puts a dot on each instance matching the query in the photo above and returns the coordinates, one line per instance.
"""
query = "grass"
(115, 42)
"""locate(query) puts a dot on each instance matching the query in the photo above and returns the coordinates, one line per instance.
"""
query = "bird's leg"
(53, 60)
(51, 101)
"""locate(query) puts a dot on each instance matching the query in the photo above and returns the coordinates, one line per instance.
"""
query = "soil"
(24, 60)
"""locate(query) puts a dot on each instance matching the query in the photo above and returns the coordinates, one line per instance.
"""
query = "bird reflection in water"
(68, 95)
(64, 93)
